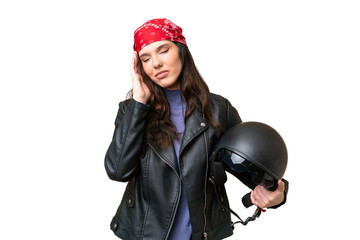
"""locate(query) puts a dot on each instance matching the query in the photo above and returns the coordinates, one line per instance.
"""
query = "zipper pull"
(212, 179)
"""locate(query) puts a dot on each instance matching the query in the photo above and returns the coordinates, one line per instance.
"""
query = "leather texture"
(151, 197)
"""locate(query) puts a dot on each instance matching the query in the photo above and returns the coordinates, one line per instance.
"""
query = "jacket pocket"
(121, 231)
(128, 220)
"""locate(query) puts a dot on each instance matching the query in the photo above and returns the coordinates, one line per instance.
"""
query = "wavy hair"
(159, 128)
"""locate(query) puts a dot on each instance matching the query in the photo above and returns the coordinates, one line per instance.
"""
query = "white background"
(64, 66)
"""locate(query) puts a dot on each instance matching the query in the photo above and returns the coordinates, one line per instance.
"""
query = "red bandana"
(157, 30)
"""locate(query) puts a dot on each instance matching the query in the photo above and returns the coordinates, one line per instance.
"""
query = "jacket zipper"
(207, 166)
(178, 200)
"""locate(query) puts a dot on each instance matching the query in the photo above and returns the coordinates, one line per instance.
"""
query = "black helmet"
(253, 152)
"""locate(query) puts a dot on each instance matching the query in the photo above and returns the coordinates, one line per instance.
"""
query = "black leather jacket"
(151, 198)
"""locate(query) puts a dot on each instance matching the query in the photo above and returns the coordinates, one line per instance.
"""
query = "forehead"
(154, 46)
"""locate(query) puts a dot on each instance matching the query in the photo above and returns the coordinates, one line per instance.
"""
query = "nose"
(157, 63)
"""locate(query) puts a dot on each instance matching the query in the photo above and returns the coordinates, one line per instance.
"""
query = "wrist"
(140, 100)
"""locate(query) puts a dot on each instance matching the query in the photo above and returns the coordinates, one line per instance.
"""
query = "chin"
(165, 83)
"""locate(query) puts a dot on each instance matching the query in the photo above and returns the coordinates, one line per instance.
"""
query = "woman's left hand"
(264, 198)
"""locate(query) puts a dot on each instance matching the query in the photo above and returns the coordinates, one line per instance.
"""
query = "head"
(166, 62)
(154, 41)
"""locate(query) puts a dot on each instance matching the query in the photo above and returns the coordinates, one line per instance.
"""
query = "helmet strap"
(256, 214)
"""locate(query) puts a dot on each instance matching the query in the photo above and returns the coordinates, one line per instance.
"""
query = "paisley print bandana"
(157, 30)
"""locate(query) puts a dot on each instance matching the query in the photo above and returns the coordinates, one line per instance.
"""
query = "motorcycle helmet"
(253, 152)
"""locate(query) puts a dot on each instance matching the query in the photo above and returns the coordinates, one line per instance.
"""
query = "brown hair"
(159, 128)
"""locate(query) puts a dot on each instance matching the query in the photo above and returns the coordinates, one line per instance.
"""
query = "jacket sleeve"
(233, 116)
(285, 194)
(122, 156)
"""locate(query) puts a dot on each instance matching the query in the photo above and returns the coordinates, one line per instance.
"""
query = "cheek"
(176, 63)
(179, 67)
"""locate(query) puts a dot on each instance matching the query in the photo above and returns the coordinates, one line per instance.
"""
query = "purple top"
(181, 229)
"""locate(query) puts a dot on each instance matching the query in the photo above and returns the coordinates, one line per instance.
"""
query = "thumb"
(281, 186)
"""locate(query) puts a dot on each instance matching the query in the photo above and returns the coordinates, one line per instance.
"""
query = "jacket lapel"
(169, 156)
(195, 124)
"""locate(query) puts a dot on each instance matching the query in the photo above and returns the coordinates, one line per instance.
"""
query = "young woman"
(164, 134)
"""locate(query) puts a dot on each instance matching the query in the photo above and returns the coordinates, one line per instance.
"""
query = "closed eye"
(165, 51)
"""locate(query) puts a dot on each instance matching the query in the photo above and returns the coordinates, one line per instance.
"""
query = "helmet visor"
(239, 165)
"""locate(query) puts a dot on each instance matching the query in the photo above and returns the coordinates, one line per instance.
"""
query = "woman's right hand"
(141, 92)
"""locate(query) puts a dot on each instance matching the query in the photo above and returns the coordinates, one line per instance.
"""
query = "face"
(161, 62)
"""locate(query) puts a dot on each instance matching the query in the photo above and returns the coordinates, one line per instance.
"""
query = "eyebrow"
(157, 49)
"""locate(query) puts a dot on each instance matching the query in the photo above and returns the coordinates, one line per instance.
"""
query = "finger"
(281, 186)
(261, 190)
(262, 196)
(136, 61)
(132, 61)
(256, 198)
(133, 66)
(252, 197)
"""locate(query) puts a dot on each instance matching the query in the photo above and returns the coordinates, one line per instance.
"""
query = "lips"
(161, 74)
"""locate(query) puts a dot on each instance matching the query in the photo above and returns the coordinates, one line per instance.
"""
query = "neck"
(173, 97)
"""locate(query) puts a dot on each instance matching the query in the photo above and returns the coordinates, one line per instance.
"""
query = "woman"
(164, 133)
